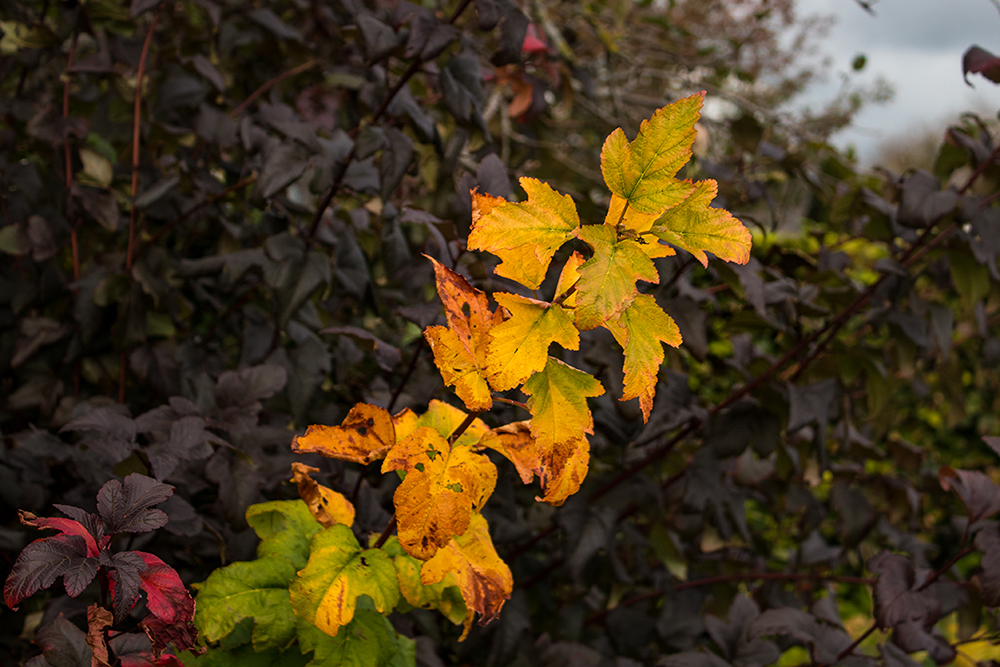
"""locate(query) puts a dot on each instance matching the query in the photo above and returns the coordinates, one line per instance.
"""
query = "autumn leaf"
(444, 419)
(568, 277)
(460, 348)
(636, 225)
(365, 435)
(520, 346)
(443, 595)
(607, 280)
(326, 591)
(639, 329)
(483, 578)
(643, 172)
(326, 505)
(442, 487)
(695, 226)
(515, 442)
(523, 235)
(369, 640)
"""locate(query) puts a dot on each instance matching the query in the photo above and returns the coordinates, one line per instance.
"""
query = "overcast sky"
(917, 45)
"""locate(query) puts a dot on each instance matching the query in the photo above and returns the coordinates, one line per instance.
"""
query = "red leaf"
(166, 596)
(64, 526)
(532, 43)
(980, 61)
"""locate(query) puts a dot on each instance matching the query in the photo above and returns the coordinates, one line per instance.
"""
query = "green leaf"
(338, 572)
(444, 596)
(695, 226)
(285, 528)
(254, 589)
(369, 640)
(245, 656)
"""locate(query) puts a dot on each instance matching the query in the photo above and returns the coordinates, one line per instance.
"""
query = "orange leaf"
(607, 280)
(568, 277)
(444, 419)
(442, 487)
(326, 505)
(460, 349)
(365, 435)
(696, 227)
(523, 235)
(520, 346)
(483, 578)
(639, 329)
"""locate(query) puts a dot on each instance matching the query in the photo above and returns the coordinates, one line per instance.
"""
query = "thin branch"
(853, 645)
(980, 168)
(457, 433)
(136, 126)
(272, 82)
(389, 529)
(936, 574)
(501, 399)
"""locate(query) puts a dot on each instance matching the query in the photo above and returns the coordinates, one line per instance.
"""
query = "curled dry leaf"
(326, 505)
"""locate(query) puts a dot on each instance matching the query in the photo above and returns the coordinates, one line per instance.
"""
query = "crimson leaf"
(64, 526)
(88, 520)
(125, 506)
(45, 560)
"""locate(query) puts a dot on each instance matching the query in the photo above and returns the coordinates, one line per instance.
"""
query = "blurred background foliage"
(182, 304)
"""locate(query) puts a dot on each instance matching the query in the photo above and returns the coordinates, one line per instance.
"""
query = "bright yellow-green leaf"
(607, 280)
(444, 419)
(523, 235)
(696, 227)
(365, 435)
(639, 329)
(484, 579)
(443, 595)
(326, 591)
(326, 505)
(460, 348)
(443, 486)
(520, 346)
(643, 172)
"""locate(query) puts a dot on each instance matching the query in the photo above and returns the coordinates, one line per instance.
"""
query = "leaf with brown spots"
(326, 505)
(365, 435)
(443, 486)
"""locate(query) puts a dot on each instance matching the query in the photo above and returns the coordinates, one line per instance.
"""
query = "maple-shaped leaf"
(460, 348)
(639, 329)
(285, 528)
(695, 226)
(257, 590)
(444, 419)
(607, 280)
(643, 172)
(126, 506)
(520, 346)
(523, 235)
(326, 591)
(444, 485)
(326, 505)
(443, 596)
(557, 400)
(43, 561)
(483, 578)
(365, 435)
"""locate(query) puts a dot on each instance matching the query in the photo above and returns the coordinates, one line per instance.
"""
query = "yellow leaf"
(484, 579)
(444, 419)
(460, 349)
(326, 505)
(442, 487)
(607, 280)
(564, 471)
(520, 346)
(523, 235)
(567, 280)
(515, 442)
(639, 329)
(642, 172)
(326, 591)
(696, 227)
(365, 435)
(628, 217)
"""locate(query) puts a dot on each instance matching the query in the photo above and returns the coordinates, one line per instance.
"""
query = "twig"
(853, 645)
(936, 574)
(980, 168)
(272, 82)
(389, 528)
(457, 433)
(501, 399)
(136, 126)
